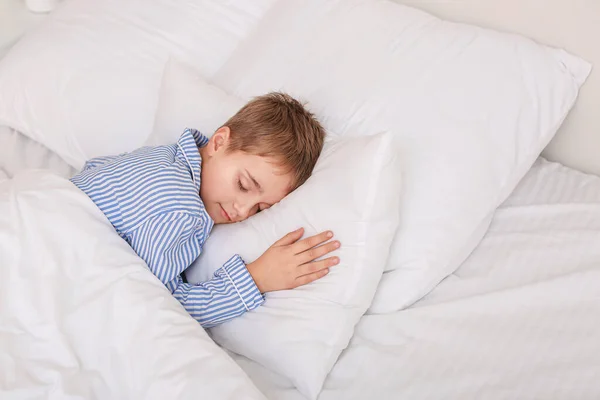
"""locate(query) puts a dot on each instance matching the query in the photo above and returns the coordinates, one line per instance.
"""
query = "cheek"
(208, 183)
(218, 183)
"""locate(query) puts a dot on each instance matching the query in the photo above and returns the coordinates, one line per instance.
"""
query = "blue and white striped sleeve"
(230, 293)
(169, 244)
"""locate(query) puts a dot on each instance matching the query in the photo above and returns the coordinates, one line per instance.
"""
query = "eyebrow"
(254, 181)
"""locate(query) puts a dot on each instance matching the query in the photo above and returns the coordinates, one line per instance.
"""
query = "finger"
(319, 251)
(290, 238)
(315, 266)
(312, 241)
(305, 279)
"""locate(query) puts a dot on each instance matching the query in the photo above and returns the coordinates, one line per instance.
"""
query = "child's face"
(237, 185)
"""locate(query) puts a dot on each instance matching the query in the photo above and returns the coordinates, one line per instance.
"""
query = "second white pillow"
(187, 100)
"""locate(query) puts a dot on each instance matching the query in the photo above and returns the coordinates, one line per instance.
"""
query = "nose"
(243, 211)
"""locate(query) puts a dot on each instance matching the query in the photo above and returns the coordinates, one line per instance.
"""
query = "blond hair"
(277, 125)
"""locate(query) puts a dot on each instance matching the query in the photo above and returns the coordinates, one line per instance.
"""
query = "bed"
(516, 319)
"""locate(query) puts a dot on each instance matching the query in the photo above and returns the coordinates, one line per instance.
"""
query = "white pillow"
(186, 100)
(85, 83)
(470, 108)
(353, 191)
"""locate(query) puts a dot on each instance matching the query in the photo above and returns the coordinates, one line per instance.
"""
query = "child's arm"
(230, 293)
(169, 243)
(236, 288)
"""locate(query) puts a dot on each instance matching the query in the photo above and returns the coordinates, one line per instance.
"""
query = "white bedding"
(518, 320)
(17, 152)
(81, 316)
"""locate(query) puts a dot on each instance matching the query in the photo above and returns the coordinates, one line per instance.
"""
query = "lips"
(224, 214)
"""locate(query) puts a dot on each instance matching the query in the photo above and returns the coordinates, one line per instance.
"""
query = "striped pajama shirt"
(151, 197)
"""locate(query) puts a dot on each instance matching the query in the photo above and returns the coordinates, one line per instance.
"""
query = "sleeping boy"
(164, 201)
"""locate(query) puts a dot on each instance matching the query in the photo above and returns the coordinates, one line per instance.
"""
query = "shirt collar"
(188, 144)
(199, 138)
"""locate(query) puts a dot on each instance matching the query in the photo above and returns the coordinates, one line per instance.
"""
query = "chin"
(217, 219)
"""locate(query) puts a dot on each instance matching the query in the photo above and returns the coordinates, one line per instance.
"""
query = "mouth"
(224, 213)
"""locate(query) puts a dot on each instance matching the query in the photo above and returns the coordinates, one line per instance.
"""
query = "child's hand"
(289, 262)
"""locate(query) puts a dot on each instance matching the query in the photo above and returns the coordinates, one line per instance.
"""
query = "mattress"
(518, 320)
(17, 152)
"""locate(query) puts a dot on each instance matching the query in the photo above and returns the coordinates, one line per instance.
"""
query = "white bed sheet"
(18, 152)
(518, 320)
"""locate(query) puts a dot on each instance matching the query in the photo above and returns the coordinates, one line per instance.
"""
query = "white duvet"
(82, 317)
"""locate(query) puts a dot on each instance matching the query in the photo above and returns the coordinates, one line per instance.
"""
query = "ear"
(219, 140)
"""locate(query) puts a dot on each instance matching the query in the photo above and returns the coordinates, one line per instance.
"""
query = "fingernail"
(329, 234)
(337, 244)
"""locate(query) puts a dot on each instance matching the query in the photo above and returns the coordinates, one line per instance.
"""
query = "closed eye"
(242, 188)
